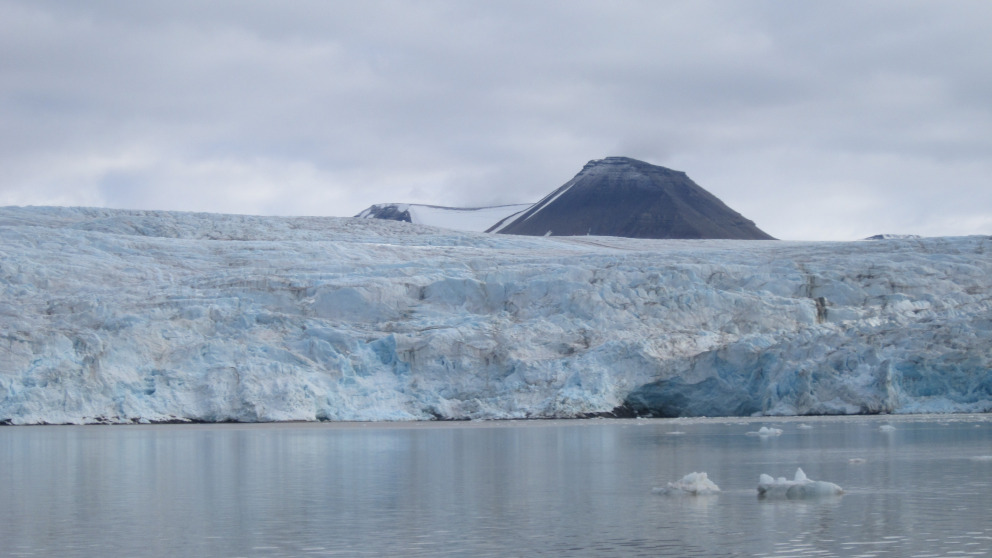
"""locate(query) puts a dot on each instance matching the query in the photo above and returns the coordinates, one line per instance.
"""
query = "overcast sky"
(817, 120)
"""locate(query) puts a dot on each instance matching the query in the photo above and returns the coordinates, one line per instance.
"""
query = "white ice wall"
(117, 316)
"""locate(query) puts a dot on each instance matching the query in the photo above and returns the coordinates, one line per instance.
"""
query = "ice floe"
(766, 432)
(695, 484)
(800, 487)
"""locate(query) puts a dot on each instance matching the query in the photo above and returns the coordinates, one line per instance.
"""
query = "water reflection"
(580, 488)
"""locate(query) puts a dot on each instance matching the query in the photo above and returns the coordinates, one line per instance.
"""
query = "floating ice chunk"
(694, 483)
(887, 428)
(765, 431)
(804, 426)
(801, 487)
(982, 458)
(857, 460)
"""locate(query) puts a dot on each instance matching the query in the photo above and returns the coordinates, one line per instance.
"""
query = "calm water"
(571, 488)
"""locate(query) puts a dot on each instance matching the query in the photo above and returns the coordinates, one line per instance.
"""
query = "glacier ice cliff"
(132, 316)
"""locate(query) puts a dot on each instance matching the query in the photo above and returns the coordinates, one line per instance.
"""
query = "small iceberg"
(695, 484)
(801, 487)
(804, 426)
(765, 431)
(887, 428)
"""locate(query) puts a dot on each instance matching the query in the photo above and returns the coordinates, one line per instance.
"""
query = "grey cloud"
(815, 120)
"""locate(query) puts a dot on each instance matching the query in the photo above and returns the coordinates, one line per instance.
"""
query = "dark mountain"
(618, 196)
(388, 211)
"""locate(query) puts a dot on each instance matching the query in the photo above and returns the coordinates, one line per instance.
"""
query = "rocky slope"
(618, 196)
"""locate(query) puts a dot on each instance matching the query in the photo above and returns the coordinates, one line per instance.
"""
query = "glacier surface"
(134, 316)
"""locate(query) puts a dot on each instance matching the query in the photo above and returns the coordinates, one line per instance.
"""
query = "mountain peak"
(620, 196)
(617, 161)
(625, 166)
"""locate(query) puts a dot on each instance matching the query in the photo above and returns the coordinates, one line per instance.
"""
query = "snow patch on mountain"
(530, 211)
(122, 316)
(893, 237)
(472, 219)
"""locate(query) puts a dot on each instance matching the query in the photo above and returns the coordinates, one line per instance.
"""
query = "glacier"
(116, 316)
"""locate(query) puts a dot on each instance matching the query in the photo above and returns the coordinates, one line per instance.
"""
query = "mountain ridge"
(476, 219)
(620, 196)
(613, 196)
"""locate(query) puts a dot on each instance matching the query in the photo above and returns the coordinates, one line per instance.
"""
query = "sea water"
(920, 486)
